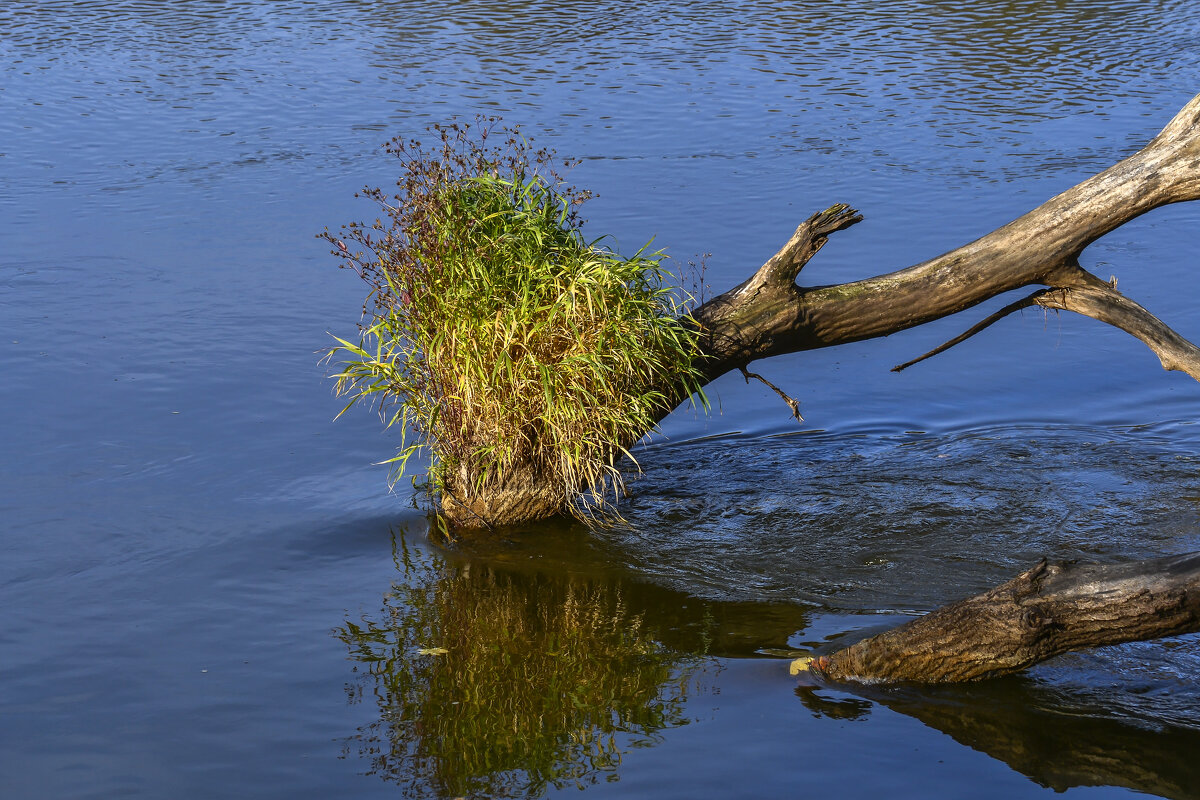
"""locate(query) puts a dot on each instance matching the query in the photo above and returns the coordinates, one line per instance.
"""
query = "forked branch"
(1025, 302)
(1077, 290)
(1102, 301)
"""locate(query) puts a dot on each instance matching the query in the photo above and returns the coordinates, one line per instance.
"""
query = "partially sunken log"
(1045, 611)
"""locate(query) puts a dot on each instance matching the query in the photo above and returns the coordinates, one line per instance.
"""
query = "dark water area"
(208, 589)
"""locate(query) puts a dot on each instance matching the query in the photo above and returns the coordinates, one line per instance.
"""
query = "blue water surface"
(187, 535)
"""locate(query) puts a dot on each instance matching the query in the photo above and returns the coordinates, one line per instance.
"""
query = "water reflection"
(498, 682)
(514, 668)
(1041, 734)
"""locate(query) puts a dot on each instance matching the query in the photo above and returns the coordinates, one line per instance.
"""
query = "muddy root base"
(516, 502)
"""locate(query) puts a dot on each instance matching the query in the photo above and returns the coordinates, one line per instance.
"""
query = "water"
(190, 542)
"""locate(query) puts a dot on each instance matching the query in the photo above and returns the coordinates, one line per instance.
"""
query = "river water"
(208, 590)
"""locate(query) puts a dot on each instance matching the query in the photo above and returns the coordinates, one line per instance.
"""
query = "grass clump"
(521, 357)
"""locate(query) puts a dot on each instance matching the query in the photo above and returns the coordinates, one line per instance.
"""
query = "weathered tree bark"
(770, 314)
(1047, 610)
(523, 496)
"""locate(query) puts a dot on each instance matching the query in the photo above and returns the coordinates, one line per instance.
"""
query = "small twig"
(1025, 302)
(793, 404)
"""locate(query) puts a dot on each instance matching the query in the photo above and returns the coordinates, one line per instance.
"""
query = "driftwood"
(769, 314)
(1051, 608)
(1047, 610)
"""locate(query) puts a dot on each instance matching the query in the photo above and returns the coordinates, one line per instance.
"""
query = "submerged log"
(1043, 612)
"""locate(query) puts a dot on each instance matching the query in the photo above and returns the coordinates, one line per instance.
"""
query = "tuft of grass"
(496, 337)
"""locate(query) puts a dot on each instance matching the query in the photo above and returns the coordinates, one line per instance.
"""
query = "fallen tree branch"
(1101, 301)
(1047, 610)
(987, 322)
(792, 402)
(770, 315)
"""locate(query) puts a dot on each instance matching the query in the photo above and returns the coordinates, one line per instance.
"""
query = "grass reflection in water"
(501, 683)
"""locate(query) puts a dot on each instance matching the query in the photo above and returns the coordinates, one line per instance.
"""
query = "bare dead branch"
(987, 322)
(809, 237)
(1103, 302)
(762, 317)
(793, 404)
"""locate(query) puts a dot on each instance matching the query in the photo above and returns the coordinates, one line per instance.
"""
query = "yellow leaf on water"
(800, 665)
(433, 651)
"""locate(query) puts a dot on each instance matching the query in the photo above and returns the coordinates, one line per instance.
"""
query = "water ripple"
(799, 77)
(905, 522)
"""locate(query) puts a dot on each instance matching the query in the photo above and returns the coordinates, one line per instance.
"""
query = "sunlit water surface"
(207, 589)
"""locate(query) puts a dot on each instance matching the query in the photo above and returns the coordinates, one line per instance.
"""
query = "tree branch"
(809, 237)
(792, 403)
(1077, 290)
(987, 322)
(722, 319)
(1103, 302)
(769, 315)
